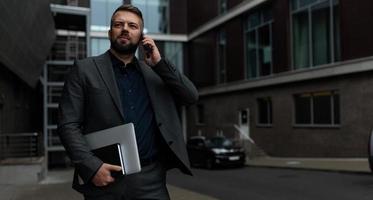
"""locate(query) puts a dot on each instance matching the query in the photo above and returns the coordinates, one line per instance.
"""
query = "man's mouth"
(123, 38)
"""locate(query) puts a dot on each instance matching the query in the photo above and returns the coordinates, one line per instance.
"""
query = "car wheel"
(209, 164)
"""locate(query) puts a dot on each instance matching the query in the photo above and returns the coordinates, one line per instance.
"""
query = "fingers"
(114, 168)
(148, 41)
(103, 176)
(153, 57)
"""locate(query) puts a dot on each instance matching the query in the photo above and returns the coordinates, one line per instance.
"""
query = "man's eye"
(133, 25)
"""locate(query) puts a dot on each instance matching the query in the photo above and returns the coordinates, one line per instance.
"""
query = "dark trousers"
(150, 183)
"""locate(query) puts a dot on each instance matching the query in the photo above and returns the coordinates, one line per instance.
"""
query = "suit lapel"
(104, 66)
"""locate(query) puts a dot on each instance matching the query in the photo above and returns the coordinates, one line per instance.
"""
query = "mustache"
(124, 35)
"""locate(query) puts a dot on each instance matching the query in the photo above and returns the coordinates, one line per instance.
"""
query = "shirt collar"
(118, 63)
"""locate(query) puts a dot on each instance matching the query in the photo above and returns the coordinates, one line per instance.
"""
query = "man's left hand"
(153, 56)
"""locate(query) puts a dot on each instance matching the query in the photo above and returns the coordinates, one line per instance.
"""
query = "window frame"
(269, 110)
(332, 40)
(146, 19)
(247, 29)
(312, 124)
(221, 68)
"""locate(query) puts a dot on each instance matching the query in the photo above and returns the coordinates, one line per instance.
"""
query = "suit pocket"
(95, 90)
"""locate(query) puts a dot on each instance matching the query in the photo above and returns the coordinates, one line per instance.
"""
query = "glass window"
(315, 25)
(321, 33)
(336, 108)
(101, 11)
(223, 7)
(173, 51)
(300, 40)
(321, 108)
(259, 43)
(303, 109)
(264, 110)
(155, 14)
(99, 46)
(221, 62)
(200, 114)
(251, 54)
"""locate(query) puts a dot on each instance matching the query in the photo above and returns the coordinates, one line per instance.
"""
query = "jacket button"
(170, 142)
(159, 124)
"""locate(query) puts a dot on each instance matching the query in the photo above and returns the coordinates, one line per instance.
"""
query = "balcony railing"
(19, 145)
(68, 48)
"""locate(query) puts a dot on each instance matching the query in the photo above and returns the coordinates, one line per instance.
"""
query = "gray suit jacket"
(91, 102)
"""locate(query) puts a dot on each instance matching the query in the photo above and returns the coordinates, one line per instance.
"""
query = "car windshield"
(219, 143)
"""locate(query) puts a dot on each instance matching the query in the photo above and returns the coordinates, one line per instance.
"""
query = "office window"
(200, 114)
(155, 14)
(315, 32)
(264, 111)
(101, 11)
(319, 108)
(258, 33)
(173, 51)
(99, 46)
(221, 57)
(223, 6)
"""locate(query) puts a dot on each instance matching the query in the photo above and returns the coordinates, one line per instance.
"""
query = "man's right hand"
(103, 176)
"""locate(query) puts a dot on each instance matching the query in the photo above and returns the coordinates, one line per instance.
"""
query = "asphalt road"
(252, 183)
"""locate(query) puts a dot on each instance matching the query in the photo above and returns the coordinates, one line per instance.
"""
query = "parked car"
(216, 151)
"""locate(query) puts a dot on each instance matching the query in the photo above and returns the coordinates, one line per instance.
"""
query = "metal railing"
(68, 48)
(19, 145)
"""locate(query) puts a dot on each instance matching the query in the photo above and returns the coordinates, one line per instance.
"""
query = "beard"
(123, 48)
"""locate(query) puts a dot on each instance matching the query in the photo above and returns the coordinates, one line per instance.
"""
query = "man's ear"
(109, 33)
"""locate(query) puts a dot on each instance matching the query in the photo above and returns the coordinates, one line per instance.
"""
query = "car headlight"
(219, 151)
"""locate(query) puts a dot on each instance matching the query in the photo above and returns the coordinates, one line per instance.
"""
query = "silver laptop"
(123, 135)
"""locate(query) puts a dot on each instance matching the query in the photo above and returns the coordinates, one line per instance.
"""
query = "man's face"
(125, 32)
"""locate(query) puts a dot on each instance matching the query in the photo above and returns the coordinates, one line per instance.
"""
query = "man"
(116, 88)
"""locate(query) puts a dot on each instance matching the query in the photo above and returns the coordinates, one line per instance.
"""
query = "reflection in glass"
(259, 43)
(321, 34)
(316, 33)
(252, 54)
(221, 57)
(155, 14)
(99, 46)
(101, 11)
(300, 40)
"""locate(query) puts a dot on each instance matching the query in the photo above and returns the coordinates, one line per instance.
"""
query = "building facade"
(292, 75)
(25, 41)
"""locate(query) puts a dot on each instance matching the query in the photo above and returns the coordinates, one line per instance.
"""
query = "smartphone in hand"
(147, 48)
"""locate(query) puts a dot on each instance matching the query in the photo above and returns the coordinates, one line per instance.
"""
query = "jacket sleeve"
(70, 126)
(183, 90)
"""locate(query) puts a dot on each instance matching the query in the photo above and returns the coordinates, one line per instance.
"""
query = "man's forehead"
(125, 16)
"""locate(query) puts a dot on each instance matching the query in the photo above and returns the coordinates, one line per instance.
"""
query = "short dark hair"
(129, 8)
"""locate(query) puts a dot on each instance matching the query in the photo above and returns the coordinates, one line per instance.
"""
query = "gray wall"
(21, 109)
(282, 139)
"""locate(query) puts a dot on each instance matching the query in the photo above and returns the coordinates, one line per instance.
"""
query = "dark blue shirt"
(137, 106)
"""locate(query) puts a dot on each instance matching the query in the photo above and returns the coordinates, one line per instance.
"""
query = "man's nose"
(125, 27)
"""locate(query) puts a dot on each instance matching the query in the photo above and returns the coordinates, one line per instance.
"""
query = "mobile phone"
(147, 48)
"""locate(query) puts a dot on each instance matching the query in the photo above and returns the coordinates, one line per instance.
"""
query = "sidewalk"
(57, 186)
(353, 165)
